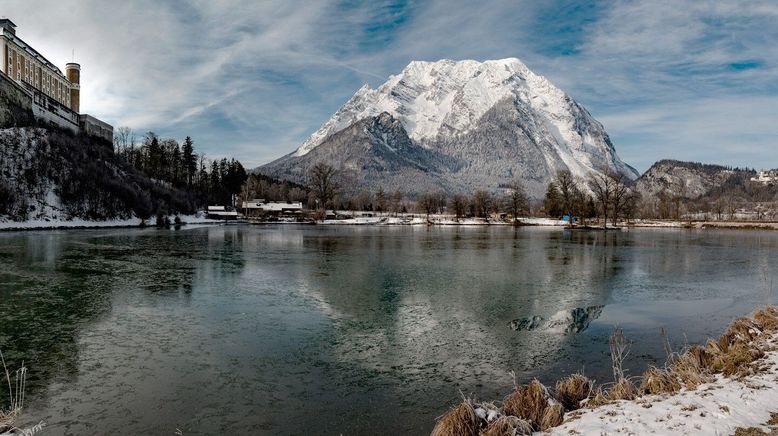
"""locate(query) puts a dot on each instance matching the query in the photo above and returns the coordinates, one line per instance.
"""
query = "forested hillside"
(53, 174)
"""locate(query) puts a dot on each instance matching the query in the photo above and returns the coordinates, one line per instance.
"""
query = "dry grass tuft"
(527, 402)
(767, 318)
(16, 387)
(622, 390)
(598, 399)
(691, 368)
(459, 421)
(741, 331)
(751, 431)
(507, 426)
(6, 421)
(697, 356)
(737, 360)
(573, 389)
(658, 381)
(552, 416)
(712, 348)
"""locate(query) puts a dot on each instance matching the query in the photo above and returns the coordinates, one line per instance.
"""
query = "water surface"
(342, 330)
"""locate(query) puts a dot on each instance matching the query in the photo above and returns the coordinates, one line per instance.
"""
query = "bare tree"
(602, 188)
(482, 204)
(429, 203)
(380, 201)
(459, 206)
(517, 200)
(621, 193)
(322, 183)
(121, 138)
(397, 202)
(718, 208)
(568, 190)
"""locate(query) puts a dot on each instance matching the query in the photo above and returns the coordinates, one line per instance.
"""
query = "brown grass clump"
(691, 368)
(658, 381)
(713, 348)
(507, 426)
(752, 431)
(552, 416)
(741, 331)
(736, 360)
(459, 421)
(6, 421)
(697, 356)
(622, 390)
(573, 389)
(528, 402)
(599, 398)
(767, 318)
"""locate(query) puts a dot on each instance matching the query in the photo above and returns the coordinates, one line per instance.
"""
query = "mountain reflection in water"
(564, 321)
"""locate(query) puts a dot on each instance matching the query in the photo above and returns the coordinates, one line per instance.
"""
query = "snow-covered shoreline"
(719, 407)
(727, 386)
(78, 223)
(437, 220)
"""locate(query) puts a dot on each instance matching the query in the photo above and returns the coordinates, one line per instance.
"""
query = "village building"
(263, 207)
(221, 213)
(766, 177)
(56, 97)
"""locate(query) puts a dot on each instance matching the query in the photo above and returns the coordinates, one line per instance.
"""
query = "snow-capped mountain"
(471, 125)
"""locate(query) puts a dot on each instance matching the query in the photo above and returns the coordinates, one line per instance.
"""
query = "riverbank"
(438, 220)
(77, 223)
(387, 220)
(728, 386)
(737, 225)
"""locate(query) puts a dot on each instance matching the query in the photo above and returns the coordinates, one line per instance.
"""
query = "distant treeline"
(601, 198)
(180, 166)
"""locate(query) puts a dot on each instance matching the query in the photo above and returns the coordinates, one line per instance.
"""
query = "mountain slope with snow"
(483, 123)
(688, 179)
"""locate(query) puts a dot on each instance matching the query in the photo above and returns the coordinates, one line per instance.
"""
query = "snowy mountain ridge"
(445, 104)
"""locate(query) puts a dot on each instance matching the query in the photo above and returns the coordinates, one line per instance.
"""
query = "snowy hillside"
(53, 176)
(687, 179)
(484, 123)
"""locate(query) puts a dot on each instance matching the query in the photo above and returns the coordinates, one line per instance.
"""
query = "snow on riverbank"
(437, 220)
(57, 223)
(719, 407)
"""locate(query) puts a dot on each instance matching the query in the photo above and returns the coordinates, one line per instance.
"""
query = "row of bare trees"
(607, 196)
(601, 195)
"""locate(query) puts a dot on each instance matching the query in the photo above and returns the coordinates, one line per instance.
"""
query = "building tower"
(73, 74)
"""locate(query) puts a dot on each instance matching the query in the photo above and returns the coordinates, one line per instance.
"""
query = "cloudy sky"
(692, 80)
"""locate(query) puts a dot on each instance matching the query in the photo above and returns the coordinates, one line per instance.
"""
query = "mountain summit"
(457, 126)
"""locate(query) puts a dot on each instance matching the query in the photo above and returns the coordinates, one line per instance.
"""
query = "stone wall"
(15, 104)
(93, 127)
(51, 111)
